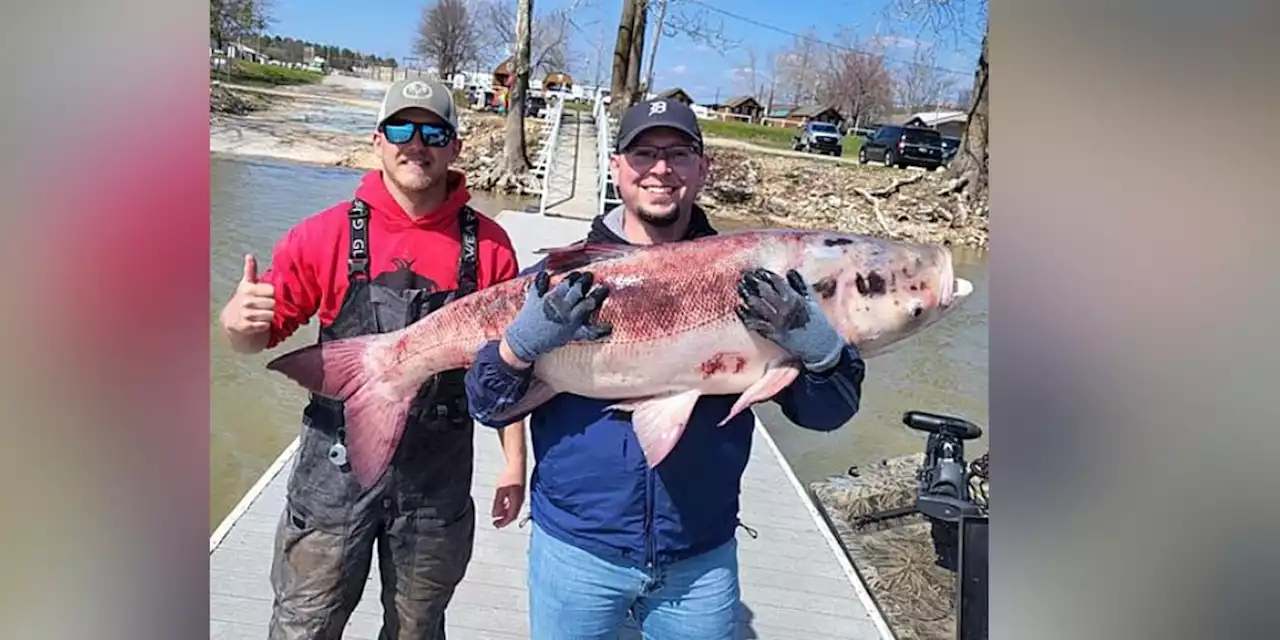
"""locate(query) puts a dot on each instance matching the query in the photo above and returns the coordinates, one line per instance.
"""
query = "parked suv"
(902, 146)
(822, 137)
(535, 106)
(949, 148)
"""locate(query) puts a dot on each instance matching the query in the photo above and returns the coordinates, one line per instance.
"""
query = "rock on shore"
(773, 190)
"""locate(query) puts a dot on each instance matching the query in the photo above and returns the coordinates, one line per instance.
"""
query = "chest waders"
(419, 516)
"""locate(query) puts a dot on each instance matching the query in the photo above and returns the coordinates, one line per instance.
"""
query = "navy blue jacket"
(591, 486)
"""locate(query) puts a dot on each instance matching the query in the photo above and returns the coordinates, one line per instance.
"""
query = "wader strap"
(468, 262)
(358, 254)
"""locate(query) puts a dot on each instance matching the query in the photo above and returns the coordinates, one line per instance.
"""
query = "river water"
(255, 414)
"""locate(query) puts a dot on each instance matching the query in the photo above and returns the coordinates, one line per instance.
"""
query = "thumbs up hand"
(252, 306)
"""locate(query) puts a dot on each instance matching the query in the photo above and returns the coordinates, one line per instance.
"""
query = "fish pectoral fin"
(535, 396)
(659, 421)
(774, 380)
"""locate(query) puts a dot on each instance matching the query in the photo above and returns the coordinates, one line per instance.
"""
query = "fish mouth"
(954, 290)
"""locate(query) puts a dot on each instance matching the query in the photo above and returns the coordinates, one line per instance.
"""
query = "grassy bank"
(265, 75)
(775, 137)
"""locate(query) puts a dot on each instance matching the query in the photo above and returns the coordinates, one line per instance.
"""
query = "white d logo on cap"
(656, 108)
(416, 90)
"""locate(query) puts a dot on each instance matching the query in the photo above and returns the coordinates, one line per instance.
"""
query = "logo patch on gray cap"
(417, 90)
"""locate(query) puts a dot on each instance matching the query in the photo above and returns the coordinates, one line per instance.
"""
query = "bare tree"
(969, 170)
(624, 52)
(447, 35)
(799, 64)
(549, 39)
(922, 84)
(231, 20)
(512, 173)
(753, 87)
(775, 57)
(678, 19)
(632, 92)
(859, 82)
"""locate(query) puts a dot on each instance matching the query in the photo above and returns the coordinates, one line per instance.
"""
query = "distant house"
(237, 50)
(815, 113)
(677, 94)
(948, 123)
(746, 107)
(557, 83)
(503, 74)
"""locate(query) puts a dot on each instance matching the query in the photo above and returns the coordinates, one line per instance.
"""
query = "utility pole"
(653, 53)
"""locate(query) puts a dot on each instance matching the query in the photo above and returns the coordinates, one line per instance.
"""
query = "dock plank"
(796, 583)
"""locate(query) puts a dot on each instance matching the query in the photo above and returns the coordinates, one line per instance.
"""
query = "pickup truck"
(821, 137)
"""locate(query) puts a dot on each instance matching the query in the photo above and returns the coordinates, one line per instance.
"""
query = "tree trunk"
(970, 164)
(513, 152)
(632, 90)
(512, 173)
(621, 56)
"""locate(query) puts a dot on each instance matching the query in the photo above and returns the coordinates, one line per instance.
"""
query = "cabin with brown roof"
(677, 94)
(745, 108)
(504, 73)
(557, 82)
(815, 113)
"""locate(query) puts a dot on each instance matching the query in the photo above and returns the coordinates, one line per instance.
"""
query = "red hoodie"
(309, 264)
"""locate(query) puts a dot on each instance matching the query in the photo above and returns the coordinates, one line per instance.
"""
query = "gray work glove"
(786, 313)
(551, 320)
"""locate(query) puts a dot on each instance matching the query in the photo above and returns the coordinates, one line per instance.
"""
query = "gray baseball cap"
(423, 94)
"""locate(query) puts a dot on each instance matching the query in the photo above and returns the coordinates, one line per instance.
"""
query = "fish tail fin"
(361, 373)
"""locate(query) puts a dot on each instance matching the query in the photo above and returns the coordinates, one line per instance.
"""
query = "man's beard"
(659, 220)
(415, 179)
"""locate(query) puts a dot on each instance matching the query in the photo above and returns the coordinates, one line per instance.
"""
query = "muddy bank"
(774, 190)
(229, 102)
(331, 126)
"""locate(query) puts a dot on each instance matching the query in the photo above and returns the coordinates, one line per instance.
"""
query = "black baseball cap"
(659, 112)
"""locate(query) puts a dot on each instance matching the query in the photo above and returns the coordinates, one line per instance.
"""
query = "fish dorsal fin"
(584, 253)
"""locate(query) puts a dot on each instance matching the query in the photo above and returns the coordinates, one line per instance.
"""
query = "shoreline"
(328, 125)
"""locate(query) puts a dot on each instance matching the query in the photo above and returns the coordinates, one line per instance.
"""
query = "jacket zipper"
(648, 519)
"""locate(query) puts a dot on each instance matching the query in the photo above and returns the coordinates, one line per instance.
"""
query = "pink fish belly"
(720, 358)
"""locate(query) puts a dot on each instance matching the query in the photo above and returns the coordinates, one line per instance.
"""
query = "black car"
(533, 104)
(949, 147)
(902, 146)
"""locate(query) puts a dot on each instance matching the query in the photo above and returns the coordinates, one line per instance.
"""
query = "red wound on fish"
(722, 362)
(584, 253)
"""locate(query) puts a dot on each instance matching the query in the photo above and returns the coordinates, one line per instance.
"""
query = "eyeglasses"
(433, 135)
(682, 156)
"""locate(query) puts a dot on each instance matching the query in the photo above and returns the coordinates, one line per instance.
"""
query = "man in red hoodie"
(404, 246)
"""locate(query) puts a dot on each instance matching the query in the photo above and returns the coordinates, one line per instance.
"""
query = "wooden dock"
(797, 583)
(572, 186)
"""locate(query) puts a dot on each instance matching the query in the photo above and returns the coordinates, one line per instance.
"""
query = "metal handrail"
(550, 147)
(604, 135)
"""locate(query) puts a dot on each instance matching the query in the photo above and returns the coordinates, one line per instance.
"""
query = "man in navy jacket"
(612, 538)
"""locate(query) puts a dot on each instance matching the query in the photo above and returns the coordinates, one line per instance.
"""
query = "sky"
(387, 28)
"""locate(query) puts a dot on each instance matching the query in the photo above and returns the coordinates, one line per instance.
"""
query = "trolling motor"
(943, 494)
(957, 516)
(951, 496)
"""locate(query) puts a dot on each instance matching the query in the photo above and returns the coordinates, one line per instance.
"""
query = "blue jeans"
(576, 595)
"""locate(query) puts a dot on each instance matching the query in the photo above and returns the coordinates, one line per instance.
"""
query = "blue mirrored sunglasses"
(433, 135)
